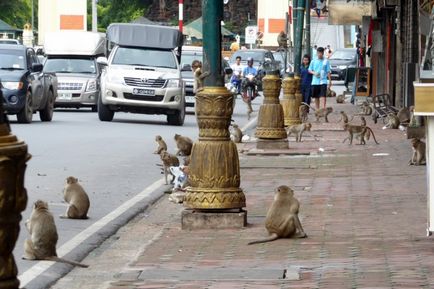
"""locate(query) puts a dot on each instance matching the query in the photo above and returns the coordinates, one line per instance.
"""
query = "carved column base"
(214, 168)
(270, 118)
(13, 200)
(290, 101)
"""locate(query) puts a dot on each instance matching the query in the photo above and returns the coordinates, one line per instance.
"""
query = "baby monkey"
(184, 144)
(282, 218)
(199, 76)
(344, 117)
(162, 146)
(303, 112)
(168, 160)
(322, 112)
(237, 134)
(340, 98)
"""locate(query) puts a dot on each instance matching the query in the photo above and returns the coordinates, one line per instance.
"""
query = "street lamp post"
(13, 196)
(301, 4)
(214, 169)
(94, 16)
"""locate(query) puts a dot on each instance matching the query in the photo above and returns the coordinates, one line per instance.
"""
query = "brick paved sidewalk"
(363, 208)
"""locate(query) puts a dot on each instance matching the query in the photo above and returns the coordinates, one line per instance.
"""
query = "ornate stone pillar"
(271, 118)
(290, 102)
(13, 198)
(214, 169)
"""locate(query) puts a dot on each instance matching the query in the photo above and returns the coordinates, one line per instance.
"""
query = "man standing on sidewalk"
(320, 68)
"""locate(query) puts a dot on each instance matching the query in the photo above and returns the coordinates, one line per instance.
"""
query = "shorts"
(319, 90)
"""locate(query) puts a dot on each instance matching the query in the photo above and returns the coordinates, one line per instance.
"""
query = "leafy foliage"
(17, 12)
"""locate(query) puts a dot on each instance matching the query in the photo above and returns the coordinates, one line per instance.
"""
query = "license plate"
(64, 96)
(189, 98)
(140, 91)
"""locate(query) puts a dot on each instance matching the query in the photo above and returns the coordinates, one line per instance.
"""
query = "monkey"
(237, 134)
(282, 40)
(418, 158)
(168, 160)
(366, 108)
(184, 145)
(282, 218)
(76, 197)
(199, 76)
(344, 117)
(363, 120)
(340, 98)
(303, 112)
(186, 161)
(413, 119)
(43, 236)
(298, 130)
(322, 112)
(331, 93)
(162, 146)
(404, 115)
(358, 131)
(392, 121)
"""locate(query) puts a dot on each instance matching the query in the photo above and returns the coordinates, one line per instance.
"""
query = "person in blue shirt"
(321, 80)
(306, 79)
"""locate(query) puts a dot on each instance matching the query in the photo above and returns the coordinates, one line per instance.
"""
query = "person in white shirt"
(237, 73)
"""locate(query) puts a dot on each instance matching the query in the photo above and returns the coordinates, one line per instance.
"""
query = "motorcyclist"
(249, 77)
(237, 74)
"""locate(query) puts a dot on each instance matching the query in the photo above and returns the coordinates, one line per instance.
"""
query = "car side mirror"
(37, 67)
(102, 60)
(228, 71)
(186, 67)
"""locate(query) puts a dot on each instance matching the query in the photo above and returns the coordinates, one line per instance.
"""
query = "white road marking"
(42, 266)
(249, 124)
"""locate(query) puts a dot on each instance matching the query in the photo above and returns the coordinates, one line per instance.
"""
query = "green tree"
(111, 11)
(16, 12)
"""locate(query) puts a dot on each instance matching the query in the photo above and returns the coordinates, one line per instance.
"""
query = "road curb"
(38, 277)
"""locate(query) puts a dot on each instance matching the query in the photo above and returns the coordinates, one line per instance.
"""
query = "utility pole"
(294, 23)
(301, 4)
(33, 22)
(94, 16)
(181, 15)
(307, 45)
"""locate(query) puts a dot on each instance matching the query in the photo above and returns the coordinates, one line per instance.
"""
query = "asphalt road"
(114, 161)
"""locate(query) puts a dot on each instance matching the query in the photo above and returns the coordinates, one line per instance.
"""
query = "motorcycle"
(252, 88)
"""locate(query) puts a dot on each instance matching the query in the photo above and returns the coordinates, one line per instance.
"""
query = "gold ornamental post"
(291, 100)
(214, 168)
(271, 124)
(13, 198)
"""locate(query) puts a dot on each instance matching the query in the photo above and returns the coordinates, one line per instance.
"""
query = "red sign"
(290, 14)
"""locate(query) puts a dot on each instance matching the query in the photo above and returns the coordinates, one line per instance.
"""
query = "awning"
(194, 29)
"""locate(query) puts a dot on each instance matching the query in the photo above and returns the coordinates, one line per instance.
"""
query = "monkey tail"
(272, 237)
(308, 106)
(57, 259)
(373, 135)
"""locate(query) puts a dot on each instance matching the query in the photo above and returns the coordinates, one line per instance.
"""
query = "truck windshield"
(145, 57)
(70, 65)
(12, 59)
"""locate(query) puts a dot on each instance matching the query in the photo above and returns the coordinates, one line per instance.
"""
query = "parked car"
(279, 56)
(340, 60)
(263, 61)
(189, 54)
(142, 73)
(26, 88)
(9, 41)
(72, 56)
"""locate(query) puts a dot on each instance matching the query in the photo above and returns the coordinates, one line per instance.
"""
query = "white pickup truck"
(142, 73)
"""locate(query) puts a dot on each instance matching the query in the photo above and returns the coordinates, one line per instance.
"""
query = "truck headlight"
(91, 85)
(12, 85)
(173, 83)
(342, 67)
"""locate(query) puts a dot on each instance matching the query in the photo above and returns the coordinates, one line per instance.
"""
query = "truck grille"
(143, 97)
(144, 82)
(69, 86)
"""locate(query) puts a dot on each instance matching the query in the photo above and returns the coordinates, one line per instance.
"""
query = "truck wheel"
(177, 118)
(26, 114)
(104, 112)
(47, 113)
